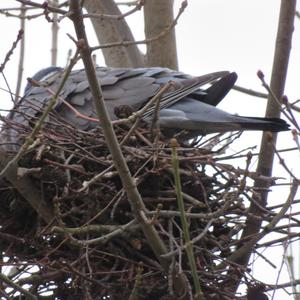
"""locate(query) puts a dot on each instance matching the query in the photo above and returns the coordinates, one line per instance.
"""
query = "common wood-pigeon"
(189, 105)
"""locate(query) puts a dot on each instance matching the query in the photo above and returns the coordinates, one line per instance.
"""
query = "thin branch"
(248, 246)
(17, 287)
(138, 6)
(22, 54)
(11, 51)
(45, 5)
(134, 197)
(249, 92)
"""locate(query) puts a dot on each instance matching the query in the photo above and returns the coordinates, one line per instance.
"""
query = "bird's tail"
(265, 124)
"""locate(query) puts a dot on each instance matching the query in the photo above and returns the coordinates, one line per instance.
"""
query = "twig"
(17, 287)
(281, 161)
(241, 252)
(22, 55)
(100, 240)
(250, 92)
(138, 6)
(38, 5)
(273, 96)
(11, 51)
(193, 241)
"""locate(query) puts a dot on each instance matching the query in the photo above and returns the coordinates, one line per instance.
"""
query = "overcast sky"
(212, 35)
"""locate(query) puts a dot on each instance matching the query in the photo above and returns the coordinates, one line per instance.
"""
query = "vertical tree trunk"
(158, 15)
(112, 30)
(265, 162)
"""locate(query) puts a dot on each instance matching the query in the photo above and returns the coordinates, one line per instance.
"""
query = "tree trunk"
(109, 30)
(158, 15)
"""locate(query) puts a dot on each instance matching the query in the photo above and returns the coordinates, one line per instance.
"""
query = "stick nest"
(93, 245)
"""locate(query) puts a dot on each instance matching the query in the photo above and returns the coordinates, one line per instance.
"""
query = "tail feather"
(265, 124)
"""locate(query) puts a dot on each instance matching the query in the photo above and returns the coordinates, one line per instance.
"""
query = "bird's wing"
(218, 90)
(184, 88)
(120, 86)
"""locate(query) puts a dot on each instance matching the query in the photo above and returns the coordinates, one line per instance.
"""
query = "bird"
(189, 105)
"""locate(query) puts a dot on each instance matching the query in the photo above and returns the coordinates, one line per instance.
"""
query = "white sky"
(212, 35)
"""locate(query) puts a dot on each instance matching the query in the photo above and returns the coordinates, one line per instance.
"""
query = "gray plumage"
(185, 107)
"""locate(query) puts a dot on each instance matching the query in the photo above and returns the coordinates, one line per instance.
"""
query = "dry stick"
(28, 17)
(191, 242)
(290, 112)
(250, 92)
(99, 240)
(281, 161)
(6, 59)
(11, 51)
(4, 10)
(248, 246)
(17, 287)
(129, 184)
(280, 66)
(43, 6)
(273, 96)
(22, 54)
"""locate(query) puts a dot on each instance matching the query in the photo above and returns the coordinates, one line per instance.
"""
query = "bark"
(158, 15)
(109, 30)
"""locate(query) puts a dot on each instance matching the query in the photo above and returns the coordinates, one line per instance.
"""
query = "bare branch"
(249, 92)
(138, 6)
(43, 6)
(17, 287)
(11, 51)
(22, 54)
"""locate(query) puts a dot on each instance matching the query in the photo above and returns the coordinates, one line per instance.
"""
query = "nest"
(93, 245)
